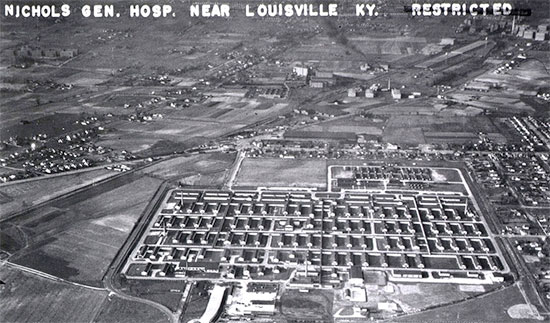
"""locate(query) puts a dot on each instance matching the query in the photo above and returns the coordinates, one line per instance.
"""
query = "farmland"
(29, 298)
(32, 192)
(26, 298)
(124, 311)
(282, 172)
(435, 129)
(354, 124)
(77, 238)
(205, 121)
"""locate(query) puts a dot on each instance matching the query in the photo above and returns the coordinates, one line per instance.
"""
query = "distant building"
(477, 86)
(355, 294)
(396, 94)
(540, 36)
(529, 34)
(38, 52)
(369, 93)
(301, 70)
(353, 92)
(390, 146)
(447, 41)
(317, 84)
(68, 53)
(356, 276)
(202, 266)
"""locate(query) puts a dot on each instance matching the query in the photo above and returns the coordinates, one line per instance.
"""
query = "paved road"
(235, 170)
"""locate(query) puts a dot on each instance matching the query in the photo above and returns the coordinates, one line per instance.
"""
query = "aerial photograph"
(300, 161)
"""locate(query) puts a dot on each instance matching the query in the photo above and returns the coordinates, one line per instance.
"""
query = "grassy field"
(354, 124)
(488, 309)
(21, 195)
(413, 129)
(312, 305)
(167, 293)
(446, 175)
(77, 238)
(282, 172)
(203, 169)
(51, 125)
(410, 135)
(12, 239)
(180, 127)
(26, 298)
(175, 129)
(119, 310)
(420, 296)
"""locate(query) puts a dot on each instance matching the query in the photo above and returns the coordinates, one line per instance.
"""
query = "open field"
(116, 309)
(175, 129)
(410, 135)
(21, 195)
(133, 142)
(183, 128)
(12, 238)
(358, 125)
(414, 297)
(394, 45)
(409, 129)
(443, 124)
(27, 298)
(310, 305)
(490, 308)
(445, 175)
(202, 169)
(282, 172)
(77, 238)
(167, 293)
(51, 125)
